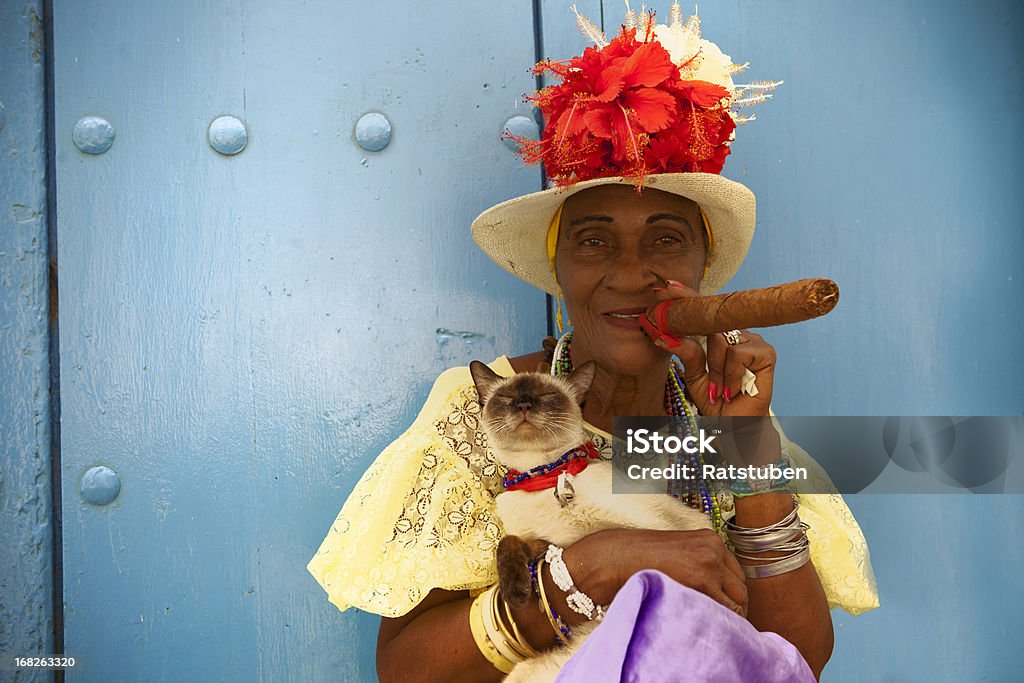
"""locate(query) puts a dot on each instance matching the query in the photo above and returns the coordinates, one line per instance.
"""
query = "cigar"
(792, 302)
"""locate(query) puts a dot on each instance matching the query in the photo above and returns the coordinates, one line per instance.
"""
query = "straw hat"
(654, 107)
(514, 233)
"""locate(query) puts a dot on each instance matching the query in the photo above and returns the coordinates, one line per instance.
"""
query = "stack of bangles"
(785, 536)
(496, 633)
(494, 629)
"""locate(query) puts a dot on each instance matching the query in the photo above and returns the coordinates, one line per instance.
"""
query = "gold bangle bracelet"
(508, 627)
(483, 643)
(498, 640)
(503, 633)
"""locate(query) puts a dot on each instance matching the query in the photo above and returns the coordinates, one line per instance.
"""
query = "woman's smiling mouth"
(624, 318)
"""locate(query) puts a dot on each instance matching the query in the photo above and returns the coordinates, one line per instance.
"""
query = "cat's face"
(531, 412)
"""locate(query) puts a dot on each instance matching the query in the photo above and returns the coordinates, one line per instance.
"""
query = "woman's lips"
(624, 318)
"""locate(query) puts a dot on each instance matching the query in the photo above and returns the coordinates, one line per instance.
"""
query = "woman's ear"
(484, 378)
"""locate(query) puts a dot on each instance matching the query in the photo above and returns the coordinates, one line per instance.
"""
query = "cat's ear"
(581, 378)
(484, 378)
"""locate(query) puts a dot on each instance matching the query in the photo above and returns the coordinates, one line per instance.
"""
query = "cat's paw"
(513, 571)
(517, 589)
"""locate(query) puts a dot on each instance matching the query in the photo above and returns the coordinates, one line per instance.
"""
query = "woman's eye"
(668, 240)
(591, 242)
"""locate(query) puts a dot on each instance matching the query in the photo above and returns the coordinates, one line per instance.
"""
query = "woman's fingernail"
(674, 283)
(727, 394)
(658, 289)
(712, 390)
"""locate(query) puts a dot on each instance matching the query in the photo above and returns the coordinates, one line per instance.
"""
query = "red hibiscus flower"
(623, 110)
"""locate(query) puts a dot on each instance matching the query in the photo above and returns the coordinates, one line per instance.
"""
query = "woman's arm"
(433, 642)
(792, 604)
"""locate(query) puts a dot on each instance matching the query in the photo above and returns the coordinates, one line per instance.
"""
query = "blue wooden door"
(241, 333)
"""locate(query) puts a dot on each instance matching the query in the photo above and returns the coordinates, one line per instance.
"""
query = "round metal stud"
(93, 135)
(227, 135)
(373, 131)
(522, 127)
(100, 485)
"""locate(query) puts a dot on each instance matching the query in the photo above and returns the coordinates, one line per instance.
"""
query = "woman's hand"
(603, 561)
(714, 379)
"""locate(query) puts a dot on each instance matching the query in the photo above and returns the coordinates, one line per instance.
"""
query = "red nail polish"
(727, 394)
(712, 390)
(670, 340)
(674, 283)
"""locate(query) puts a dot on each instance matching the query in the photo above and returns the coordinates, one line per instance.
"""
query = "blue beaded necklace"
(585, 452)
(695, 493)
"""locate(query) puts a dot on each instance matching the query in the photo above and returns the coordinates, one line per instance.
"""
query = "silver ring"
(732, 337)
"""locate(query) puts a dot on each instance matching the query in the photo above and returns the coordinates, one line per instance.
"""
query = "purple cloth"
(657, 630)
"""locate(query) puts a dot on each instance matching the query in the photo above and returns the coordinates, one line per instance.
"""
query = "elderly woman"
(416, 540)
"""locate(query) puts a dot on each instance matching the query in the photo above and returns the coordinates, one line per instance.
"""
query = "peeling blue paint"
(26, 531)
(444, 336)
(24, 214)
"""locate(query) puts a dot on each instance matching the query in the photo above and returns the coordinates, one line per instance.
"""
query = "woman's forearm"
(792, 604)
(434, 641)
(435, 644)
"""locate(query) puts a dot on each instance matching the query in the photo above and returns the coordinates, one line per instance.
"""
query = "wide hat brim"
(514, 233)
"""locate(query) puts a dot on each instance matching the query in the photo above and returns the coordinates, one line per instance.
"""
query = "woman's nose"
(630, 272)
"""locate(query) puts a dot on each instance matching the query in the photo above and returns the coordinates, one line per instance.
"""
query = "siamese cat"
(532, 419)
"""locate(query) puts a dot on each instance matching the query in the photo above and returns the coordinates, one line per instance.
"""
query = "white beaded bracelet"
(578, 601)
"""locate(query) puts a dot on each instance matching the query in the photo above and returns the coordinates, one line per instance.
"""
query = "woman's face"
(614, 247)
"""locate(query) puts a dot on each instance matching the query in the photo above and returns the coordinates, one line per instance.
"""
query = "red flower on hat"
(623, 110)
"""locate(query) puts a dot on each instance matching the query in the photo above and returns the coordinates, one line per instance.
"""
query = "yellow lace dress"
(422, 516)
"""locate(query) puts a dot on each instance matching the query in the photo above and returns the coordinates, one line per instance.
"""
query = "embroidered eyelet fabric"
(422, 516)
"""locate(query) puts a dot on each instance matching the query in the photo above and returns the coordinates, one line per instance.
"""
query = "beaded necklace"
(693, 492)
(573, 461)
